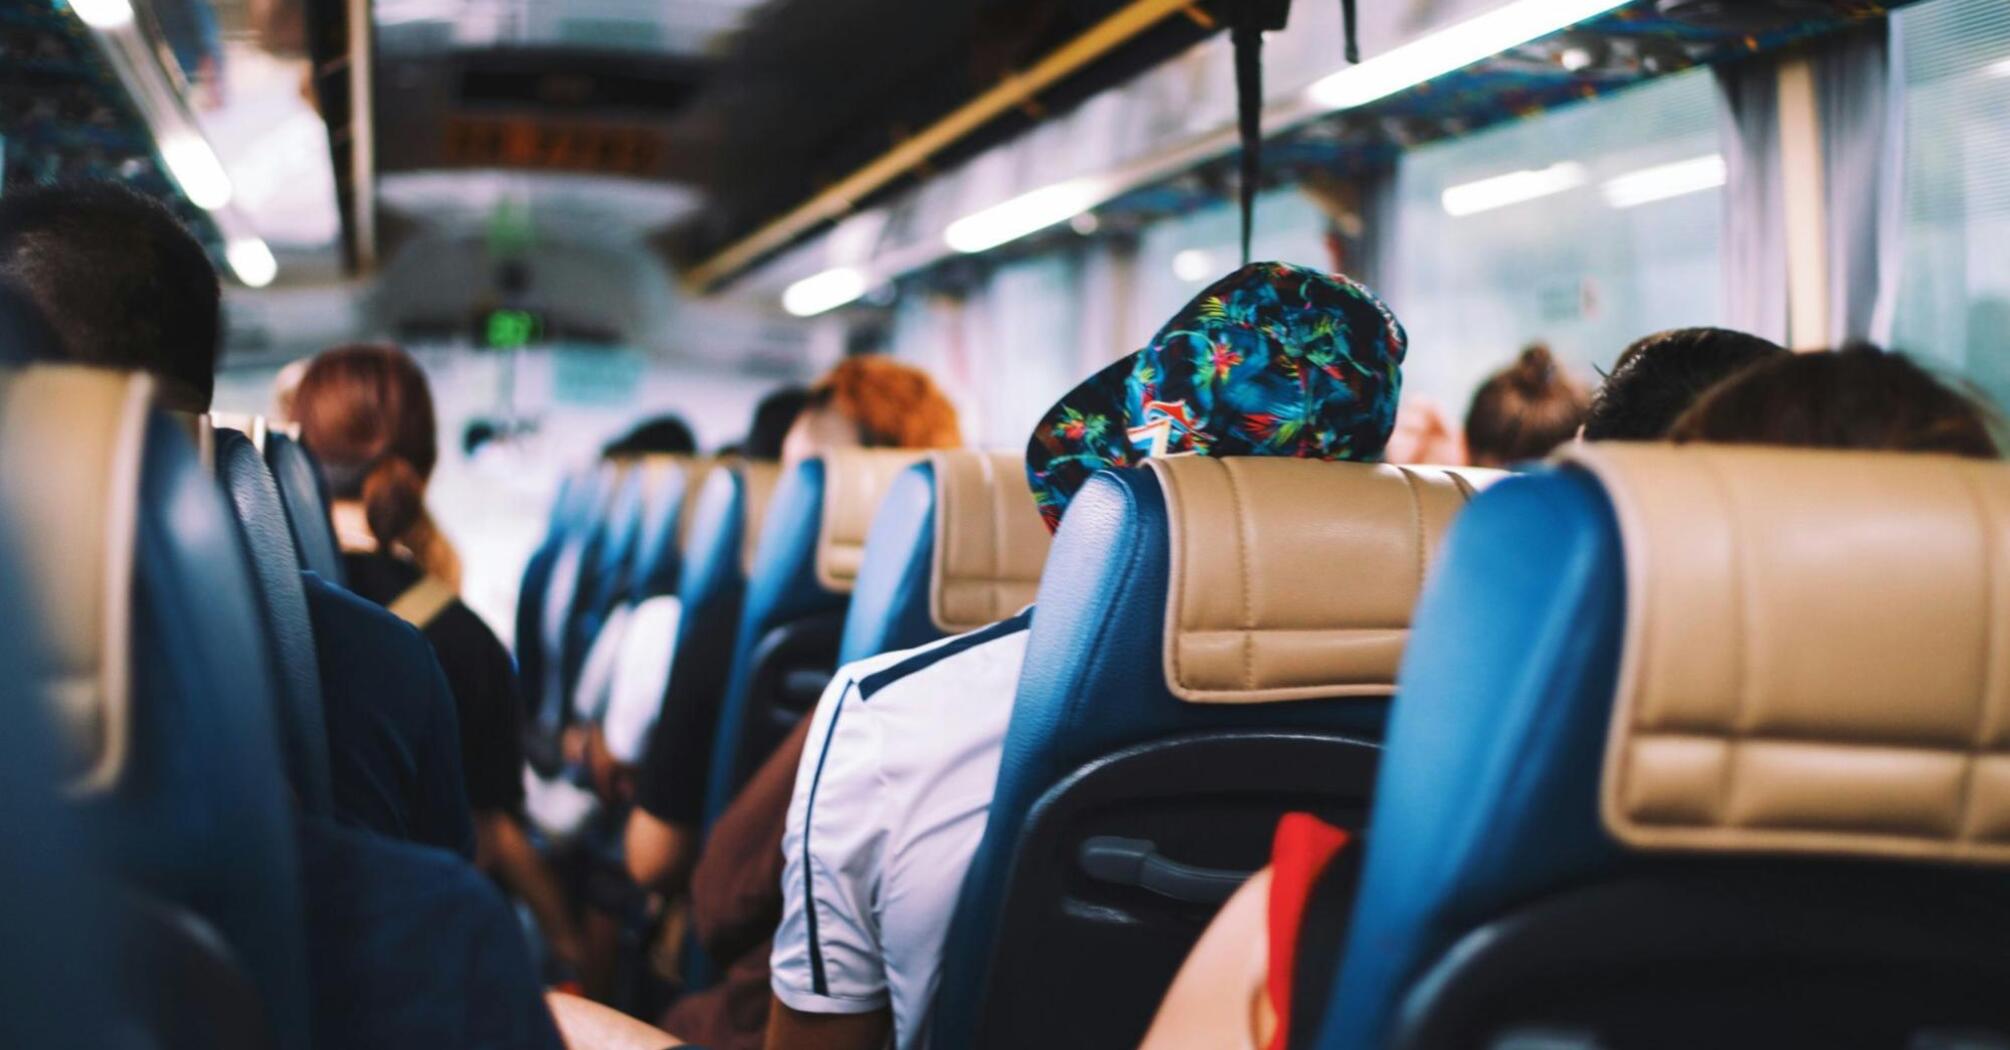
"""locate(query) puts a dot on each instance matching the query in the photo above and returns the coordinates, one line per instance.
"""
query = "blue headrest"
(1488, 785)
(1093, 683)
(890, 599)
(201, 814)
(306, 497)
(781, 589)
(275, 569)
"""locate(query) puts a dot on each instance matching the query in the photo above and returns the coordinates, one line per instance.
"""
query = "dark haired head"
(1661, 375)
(663, 434)
(25, 336)
(772, 420)
(1858, 397)
(120, 280)
(1523, 411)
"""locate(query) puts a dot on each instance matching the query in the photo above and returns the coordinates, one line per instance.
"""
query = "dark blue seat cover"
(275, 564)
(658, 558)
(305, 493)
(201, 816)
(890, 600)
(1093, 684)
(782, 589)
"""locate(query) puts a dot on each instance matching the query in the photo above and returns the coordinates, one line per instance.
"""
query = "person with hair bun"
(366, 413)
(872, 402)
(1523, 411)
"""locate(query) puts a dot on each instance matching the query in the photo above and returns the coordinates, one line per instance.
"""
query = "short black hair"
(772, 420)
(663, 434)
(25, 335)
(1658, 377)
(121, 281)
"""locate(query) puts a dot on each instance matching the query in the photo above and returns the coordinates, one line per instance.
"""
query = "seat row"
(1662, 711)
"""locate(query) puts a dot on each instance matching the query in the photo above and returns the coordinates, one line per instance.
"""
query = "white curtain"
(1755, 238)
(1858, 86)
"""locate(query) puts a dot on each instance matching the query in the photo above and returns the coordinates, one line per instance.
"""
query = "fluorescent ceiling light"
(196, 169)
(824, 291)
(1513, 188)
(1664, 181)
(103, 14)
(1452, 48)
(2000, 69)
(1024, 214)
(251, 261)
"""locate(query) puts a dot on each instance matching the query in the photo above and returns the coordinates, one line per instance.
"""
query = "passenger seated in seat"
(1234, 988)
(903, 750)
(367, 413)
(774, 417)
(1660, 375)
(735, 885)
(662, 435)
(1523, 411)
(407, 946)
(1859, 397)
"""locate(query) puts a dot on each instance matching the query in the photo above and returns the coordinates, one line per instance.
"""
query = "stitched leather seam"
(1242, 555)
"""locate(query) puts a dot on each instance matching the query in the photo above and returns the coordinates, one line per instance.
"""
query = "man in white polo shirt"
(903, 750)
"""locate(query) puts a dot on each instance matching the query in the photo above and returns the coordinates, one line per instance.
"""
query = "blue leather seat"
(659, 550)
(305, 493)
(956, 544)
(725, 519)
(551, 594)
(168, 703)
(786, 646)
(1495, 894)
(1123, 762)
(275, 564)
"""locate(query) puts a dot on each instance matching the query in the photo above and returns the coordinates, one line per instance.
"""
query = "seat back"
(305, 494)
(567, 508)
(155, 658)
(1214, 645)
(275, 568)
(712, 589)
(810, 552)
(957, 543)
(563, 595)
(1699, 740)
(659, 554)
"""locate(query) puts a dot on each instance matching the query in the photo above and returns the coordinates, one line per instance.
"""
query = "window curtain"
(1859, 82)
(1755, 237)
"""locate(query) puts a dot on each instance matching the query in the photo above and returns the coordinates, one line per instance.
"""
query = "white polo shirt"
(889, 805)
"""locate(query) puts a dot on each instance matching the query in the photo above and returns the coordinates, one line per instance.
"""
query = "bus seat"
(956, 544)
(562, 595)
(567, 509)
(1214, 645)
(603, 582)
(157, 661)
(659, 554)
(730, 506)
(306, 499)
(275, 569)
(810, 551)
(1698, 744)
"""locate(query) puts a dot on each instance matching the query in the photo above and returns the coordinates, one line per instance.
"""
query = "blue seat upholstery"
(169, 697)
(275, 566)
(1495, 890)
(712, 588)
(305, 493)
(1495, 741)
(889, 605)
(810, 551)
(567, 511)
(1095, 699)
(909, 592)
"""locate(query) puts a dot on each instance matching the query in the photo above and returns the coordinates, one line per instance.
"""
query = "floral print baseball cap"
(1271, 360)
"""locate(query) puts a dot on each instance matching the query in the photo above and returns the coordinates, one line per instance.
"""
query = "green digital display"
(511, 329)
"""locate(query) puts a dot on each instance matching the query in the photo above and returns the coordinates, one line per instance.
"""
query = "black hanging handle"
(1138, 862)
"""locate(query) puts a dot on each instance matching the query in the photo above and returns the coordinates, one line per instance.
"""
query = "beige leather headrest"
(760, 480)
(990, 543)
(696, 470)
(1817, 652)
(71, 445)
(1294, 579)
(854, 481)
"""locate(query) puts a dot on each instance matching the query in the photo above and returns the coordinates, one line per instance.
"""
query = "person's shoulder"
(917, 671)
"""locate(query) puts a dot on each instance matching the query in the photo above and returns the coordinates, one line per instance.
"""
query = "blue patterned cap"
(1271, 360)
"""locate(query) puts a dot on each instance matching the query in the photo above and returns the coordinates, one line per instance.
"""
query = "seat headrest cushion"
(1816, 656)
(758, 481)
(71, 445)
(854, 482)
(1294, 579)
(990, 543)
